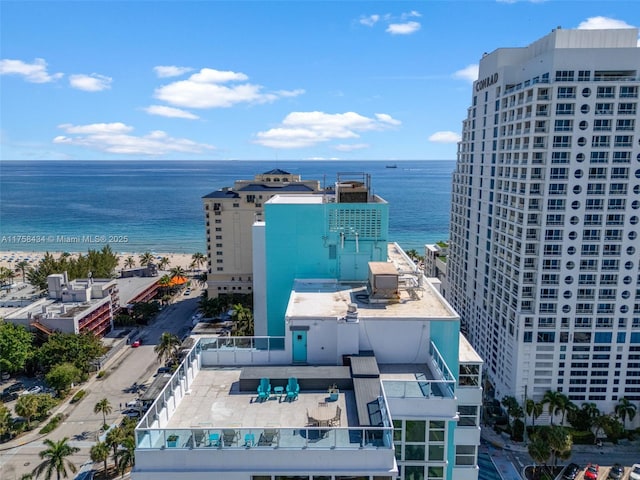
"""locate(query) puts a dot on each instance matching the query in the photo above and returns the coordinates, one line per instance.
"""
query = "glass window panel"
(415, 431)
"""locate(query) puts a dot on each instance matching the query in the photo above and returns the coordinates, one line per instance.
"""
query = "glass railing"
(241, 343)
(247, 438)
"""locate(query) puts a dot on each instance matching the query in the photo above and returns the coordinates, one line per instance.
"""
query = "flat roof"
(330, 299)
(466, 352)
(129, 287)
(297, 199)
(215, 400)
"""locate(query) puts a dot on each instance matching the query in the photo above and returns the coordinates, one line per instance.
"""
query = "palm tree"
(22, 266)
(555, 403)
(145, 259)
(177, 272)
(104, 407)
(534, 410)
(167, 347)
(242, 321)
(100, 453)
(625, 409)
(164, 263)
(129, 262)
(55, 459)
(114, 438)
(198, 259)
(539, 451)
(127, 455)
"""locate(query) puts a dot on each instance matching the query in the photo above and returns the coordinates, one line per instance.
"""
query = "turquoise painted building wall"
(319, 240)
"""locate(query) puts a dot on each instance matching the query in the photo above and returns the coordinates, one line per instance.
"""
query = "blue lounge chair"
(264, 389)
(292, 389)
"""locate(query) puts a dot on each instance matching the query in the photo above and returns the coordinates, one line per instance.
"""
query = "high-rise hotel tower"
(545, 217)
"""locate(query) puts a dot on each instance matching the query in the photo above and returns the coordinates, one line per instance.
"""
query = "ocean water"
(136, 206)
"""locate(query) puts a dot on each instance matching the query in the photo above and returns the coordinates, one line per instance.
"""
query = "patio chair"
(264, 389)
(292, 389)
(268, 437)
(335, 421)
(312, 422)
(229, 437)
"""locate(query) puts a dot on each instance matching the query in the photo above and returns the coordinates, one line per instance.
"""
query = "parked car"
(136, 344)
(132, 413)
(33, 390)
(187, 291)
(635, 472)
(15, 388)
(616, 472)
(591, 472)
(571, 471)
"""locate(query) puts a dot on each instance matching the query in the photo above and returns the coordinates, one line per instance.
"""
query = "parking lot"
(603, 473)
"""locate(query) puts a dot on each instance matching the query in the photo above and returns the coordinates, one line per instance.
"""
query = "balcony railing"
(210, 438)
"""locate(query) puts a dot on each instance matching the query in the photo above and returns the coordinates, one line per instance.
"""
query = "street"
(134, 365)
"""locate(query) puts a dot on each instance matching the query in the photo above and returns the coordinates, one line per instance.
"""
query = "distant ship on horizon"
(392, 166)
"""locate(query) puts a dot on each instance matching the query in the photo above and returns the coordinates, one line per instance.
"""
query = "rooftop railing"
(210, 438)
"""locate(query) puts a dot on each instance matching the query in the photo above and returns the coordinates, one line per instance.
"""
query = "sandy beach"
(10, 259)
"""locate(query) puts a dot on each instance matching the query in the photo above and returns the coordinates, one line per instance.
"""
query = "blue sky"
(253, 80)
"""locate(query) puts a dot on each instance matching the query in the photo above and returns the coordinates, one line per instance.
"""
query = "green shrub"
(582, 438)
(53, 423)
(101, 374)
(78, 396)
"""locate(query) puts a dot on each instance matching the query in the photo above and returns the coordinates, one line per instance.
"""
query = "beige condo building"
(229, 215)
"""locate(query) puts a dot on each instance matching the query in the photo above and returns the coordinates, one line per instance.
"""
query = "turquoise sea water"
(140, 205)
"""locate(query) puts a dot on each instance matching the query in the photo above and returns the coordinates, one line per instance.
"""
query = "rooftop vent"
(383, 282)
(352, 313)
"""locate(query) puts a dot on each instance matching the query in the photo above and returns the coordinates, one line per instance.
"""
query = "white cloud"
(395, 25)
(305, 129)
(35, 72)
(204, 90)
(171, 112)
(445, 137)
(90, 83)
(115, 138)
(602, 23)
(350, 147)
(385, 118)
(163, 71)
(468, 73)
(370, 20)
(403, 28)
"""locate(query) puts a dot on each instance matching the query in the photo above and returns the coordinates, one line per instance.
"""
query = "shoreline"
(10, 258)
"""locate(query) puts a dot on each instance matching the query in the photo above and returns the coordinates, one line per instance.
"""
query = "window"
(601, 141)
(595, 189)
(556, 204)
(468, 416)
(563, 125)
(599, 157)
(616, 204)
(557, 189)
(620, 172)
(584, 75)
(604, 108)
(618, 189)
(593, 219)
(562, 141)
(623, 141)
(564, 76)
(627, 109)
(591, 235)
(629, 92)
(625, 124)
(597, 173)
(567, 92)
(621, 157)
(594, 204)
(560, 157)
(567, 108)
(465, 455)
(606, 92)
(589, 250)
(601, 125)
(615, 219)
